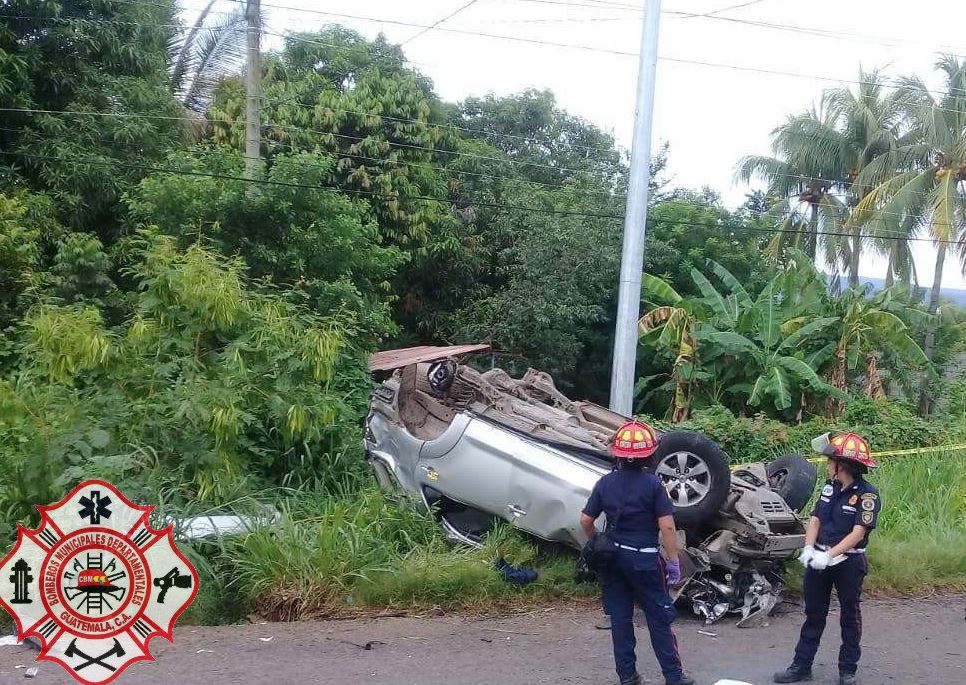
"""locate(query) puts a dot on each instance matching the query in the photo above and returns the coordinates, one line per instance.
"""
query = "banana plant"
(763, 338)
(868, 328)
(671, 326)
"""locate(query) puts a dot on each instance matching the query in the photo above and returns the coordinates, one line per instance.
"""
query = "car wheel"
(695, 473)
(793, 477)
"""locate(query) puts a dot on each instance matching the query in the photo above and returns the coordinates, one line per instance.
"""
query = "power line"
(450, 201)
(793, 177)
(440, 21)
(410, 146)
(338, 155)
(533, 41)
(730, 8)
(338, 188)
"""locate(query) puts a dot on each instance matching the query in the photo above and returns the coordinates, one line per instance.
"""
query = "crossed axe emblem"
(73, 650)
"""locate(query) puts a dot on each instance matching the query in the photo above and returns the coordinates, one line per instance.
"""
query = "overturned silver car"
(478, 447)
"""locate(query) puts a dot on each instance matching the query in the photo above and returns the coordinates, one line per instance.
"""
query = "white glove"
(819, 561)
(808, 553)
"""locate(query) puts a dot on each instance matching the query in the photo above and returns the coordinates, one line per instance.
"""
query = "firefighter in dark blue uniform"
(639, 513)
(834, 554)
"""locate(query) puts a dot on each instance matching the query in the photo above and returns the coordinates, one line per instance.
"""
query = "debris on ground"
(31, 672)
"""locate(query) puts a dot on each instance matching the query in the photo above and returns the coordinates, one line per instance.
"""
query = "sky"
(729, 71)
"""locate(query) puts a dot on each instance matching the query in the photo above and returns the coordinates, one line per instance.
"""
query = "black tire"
(793, 477)
(695, 472)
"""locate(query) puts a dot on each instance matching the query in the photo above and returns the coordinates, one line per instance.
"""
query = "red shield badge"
(95, 582)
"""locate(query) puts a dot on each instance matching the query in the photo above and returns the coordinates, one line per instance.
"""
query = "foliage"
(210, 385)
(554, 147)
(887, 424)
(212, 49)
(814, 178)
(294, 231)
(79, 57)
(339, 557)
(553, 277)
(338, 95)
(687, 229)
(751, 349)
(922, 530)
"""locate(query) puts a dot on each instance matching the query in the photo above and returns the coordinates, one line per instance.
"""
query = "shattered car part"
(481, 447)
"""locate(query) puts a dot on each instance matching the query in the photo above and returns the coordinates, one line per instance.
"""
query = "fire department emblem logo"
(95, 582)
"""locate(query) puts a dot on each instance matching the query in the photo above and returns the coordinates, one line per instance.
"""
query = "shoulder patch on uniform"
(869, 495)
(867, 518)
(868, 503)
(828, 490)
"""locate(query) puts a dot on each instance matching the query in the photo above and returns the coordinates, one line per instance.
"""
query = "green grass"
(341, 556)
(920, 543)
(365, 552)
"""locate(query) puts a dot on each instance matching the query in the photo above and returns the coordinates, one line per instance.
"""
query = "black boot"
(793, 674)
(636, 680)
(685, 680)
(848, 679)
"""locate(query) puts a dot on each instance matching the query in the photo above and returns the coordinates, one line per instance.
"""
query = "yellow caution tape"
(896, 453)
(909, 452)
(918, 450)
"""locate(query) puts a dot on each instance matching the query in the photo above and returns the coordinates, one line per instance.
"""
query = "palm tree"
(211, 50)
(868, 126)
(921, 180)
(820, 157)
(802, 178)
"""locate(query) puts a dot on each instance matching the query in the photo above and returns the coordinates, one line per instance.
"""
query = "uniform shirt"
(645, 500)
(841, 509)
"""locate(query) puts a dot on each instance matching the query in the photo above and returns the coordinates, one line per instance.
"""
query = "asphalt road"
(905, 643)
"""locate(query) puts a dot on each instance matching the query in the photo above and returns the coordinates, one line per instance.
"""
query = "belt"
(643, 550)
(825, 548)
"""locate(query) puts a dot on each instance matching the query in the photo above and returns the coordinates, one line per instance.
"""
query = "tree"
(294, 232)
(805, 181)
(93, 74)
(868, 328)
(923, 176)
(547, 144)
(820, 157)
(553, 277)
(206, 53)
(868, 125)
(673, 327)
(753, 349)
(688, 228)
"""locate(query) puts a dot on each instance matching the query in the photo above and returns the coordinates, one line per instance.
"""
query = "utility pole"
(253, 88)
(635, 216)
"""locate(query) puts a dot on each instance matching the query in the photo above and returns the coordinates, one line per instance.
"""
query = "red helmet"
(846, 447)
(634, 440)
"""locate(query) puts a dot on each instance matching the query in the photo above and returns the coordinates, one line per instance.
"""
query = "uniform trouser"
(638, 577)
(846, 578)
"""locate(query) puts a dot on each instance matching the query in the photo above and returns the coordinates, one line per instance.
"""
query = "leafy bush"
(210, 387)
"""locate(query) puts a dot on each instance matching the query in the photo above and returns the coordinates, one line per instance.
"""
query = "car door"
(548, 490)
(470, 463)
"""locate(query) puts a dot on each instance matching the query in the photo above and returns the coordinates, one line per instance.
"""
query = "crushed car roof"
(389, 360)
